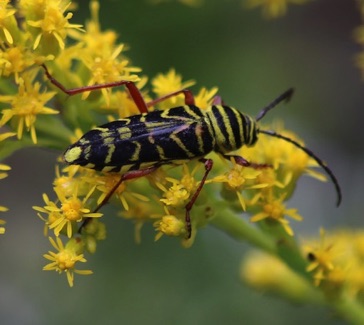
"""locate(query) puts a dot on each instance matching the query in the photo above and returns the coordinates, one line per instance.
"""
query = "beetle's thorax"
(231, 128)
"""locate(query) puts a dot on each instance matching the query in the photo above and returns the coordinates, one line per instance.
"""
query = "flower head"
(273, 209)
(66, 258)
(204, 97)
(72, 211)
(50, 23)
(169, 225)
(107, 182)
(164, 84)
(239, 178)
(26, 105)
(7, 21)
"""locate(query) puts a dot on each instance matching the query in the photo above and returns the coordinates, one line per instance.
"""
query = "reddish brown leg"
(132, 88)
(127, 176)
(243, 162)
(189, 98)
(208, 166)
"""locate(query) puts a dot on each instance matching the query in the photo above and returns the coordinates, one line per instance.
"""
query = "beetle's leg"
(189, 98)
(208, 166)
(132, 88)
(243, 162)
(127, 176)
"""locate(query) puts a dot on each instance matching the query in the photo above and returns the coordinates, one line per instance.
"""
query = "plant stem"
(238, 228)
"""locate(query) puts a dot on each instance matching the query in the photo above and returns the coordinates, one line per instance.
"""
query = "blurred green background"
(251, 60)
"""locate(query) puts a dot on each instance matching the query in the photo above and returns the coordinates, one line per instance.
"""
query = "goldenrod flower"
(72, 211)
(7, 21)
(96, 57)
(65, 259)
(239, 178)
(176, 195)
(26, 105)
(288, 162)
(164, 84)
(50, 22)
(140, 212)
(14, 60)
(204, 97)
(273, 209)
(104, 59)
(108, 181)
(169, 225)
(324, 257)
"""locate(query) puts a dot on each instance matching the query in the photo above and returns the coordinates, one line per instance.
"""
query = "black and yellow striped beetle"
(138, 145)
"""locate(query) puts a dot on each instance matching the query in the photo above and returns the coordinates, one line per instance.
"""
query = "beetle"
(138, 145)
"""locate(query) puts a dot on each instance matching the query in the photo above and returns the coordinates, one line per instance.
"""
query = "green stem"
(238, 228)
(349, 309)
(287, 248)
(271, 240)
(270, 237)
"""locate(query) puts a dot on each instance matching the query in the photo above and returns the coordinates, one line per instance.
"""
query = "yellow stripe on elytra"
(135, 156)
(189, 111)
(108, 168)
(161, 153)
(110, 151)
(102, 130)
(178, 141)
(198, 133)
(124, 133)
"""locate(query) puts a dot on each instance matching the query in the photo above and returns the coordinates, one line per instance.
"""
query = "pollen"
(65, 260)
(176, 196)
(169, 225)
(72, 209)
(274, 209)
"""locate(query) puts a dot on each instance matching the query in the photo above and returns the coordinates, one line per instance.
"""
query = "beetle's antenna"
(312, 155)
(286, 96)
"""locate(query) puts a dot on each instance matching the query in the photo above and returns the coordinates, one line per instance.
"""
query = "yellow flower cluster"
(334, 261)
(38, 32)
(159, 198)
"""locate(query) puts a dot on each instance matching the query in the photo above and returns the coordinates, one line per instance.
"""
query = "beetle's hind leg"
(208, 163)
(243, 162)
